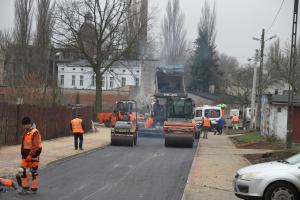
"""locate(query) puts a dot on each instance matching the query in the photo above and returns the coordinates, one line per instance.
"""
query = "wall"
(87, 97)
(273, 119)
(52, 122)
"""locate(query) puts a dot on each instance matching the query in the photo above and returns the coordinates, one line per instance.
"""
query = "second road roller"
(124, 130)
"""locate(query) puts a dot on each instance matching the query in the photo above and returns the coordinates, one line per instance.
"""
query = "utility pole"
(293, 60)
(260, 76)
(253, 94)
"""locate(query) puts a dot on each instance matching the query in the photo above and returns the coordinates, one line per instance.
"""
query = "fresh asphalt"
(148, 171)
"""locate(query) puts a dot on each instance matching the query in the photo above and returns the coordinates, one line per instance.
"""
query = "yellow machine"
(125, 130)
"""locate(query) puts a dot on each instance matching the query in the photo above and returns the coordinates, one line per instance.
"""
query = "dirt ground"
(257, 145)
(267, 157)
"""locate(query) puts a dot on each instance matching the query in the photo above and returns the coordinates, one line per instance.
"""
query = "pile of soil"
(257, 145)
(272, 156)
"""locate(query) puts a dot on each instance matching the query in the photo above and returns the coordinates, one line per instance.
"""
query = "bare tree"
(22, 36)
(97, 28)
(44, 23)
(228, 66)
(44, 30)
(173, 34)
(277, 65)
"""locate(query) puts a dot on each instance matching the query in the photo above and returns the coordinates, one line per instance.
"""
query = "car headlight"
(248, 177)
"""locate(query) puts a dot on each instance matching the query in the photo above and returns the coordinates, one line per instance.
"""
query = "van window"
(213, 113)
(198, 113)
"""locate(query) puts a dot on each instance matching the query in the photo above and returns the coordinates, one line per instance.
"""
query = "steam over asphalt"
(148, 171)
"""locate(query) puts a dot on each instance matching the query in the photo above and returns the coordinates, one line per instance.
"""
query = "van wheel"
(281, 190)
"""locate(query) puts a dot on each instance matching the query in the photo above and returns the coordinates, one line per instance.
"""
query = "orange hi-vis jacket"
(235, 119)
(206, 122)
(28, 140)
(76, 126)
(6, 182)
(132, 118)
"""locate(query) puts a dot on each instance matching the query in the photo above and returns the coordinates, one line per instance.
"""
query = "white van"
(214, 114)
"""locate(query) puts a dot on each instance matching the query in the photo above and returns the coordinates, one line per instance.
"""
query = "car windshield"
(212, 113)
(198, 113)
(293, 160)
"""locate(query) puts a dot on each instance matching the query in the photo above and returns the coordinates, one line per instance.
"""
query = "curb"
(190, 173)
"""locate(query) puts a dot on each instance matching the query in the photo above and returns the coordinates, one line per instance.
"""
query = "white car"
(278, 180)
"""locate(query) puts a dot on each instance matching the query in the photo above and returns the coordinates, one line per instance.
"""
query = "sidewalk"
(53, 150)
(214, 167)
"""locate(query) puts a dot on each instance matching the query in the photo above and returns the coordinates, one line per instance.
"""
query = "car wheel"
(280, 191)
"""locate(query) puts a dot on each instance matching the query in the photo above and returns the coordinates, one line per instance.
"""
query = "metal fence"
(52, 122)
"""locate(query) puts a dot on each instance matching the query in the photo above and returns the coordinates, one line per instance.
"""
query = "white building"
(79, 75)
(274, 116)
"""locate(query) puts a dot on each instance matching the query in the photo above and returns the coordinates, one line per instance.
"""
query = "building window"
(111, 82)
(278, 109)
(62, 69)
(81, 81)
(81, 69)
(62, 79)
(137, 71)
(73, 80)
(137, 81)
(93, 80)
(123, 83)
(74, 69)
(103, 81)
(124, 70)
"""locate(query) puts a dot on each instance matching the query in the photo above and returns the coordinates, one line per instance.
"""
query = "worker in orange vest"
(149, 122)
(114, 118)
(131, 117)
(7, 183)
(31, 149)
(235, 122)
(206, 126)
(77, 128)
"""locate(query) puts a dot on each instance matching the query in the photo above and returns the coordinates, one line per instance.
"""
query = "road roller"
(179, 128)
(124, 131)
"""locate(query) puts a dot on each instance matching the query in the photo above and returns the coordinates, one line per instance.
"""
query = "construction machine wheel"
(135, 140)
(179, 141)
(122, 141)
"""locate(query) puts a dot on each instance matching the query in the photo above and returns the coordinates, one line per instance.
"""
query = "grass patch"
(250, 137)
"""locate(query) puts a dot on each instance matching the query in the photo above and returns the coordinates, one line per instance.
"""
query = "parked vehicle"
(214, 113)
(278, 180)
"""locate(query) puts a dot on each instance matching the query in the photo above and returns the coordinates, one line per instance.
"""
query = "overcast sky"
(237, 21)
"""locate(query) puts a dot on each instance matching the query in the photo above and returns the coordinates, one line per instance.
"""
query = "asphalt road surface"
(148, 171)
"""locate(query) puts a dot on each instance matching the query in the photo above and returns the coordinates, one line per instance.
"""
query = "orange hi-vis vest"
(28, 139)
(235, 119)
(76, 125)
(6, 182)
(132, 118)
(206, 122)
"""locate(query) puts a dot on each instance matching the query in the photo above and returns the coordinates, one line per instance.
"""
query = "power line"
(276, 16)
